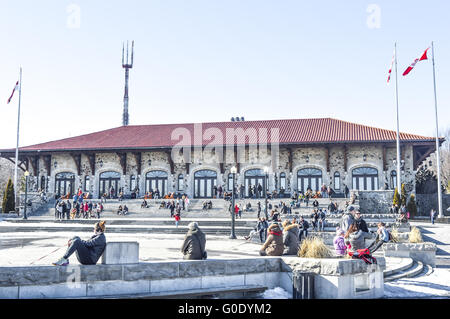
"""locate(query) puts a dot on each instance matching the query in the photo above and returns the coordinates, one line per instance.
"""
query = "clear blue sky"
(209, 60)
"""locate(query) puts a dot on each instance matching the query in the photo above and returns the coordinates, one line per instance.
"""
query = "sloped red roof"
(292, 131)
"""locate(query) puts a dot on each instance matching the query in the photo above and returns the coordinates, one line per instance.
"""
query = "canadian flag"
(423, 57)
(390, 69)
(14, 90)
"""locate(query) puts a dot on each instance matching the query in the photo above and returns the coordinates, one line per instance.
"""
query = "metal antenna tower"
(127, 65)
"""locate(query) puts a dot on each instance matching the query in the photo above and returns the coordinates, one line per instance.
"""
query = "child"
(177, 219)
(339, 242)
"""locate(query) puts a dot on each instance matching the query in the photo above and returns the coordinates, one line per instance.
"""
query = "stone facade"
(277, 160)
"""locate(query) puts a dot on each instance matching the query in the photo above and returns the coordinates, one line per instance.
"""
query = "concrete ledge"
(91, 281)
(121, 253)
(423, 252)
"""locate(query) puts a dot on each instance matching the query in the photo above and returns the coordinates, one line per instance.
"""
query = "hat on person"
(100, 225)
(351, 208)
(339, 231)
(193, 225)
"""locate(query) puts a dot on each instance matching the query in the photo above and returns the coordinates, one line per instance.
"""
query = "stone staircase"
(398, 268)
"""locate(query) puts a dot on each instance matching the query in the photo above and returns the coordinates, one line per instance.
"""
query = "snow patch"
(276, 293)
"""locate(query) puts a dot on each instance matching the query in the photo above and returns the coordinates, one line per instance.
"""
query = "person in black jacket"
(360, 222)
(88, 251)
(193, 247)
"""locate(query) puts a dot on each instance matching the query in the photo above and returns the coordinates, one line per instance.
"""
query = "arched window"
(309, 178)
(180, 182)
(365, 178)
(109, 183)
(156, 180)
(393, 179)
(253, 178)
(64, 183)
(337, 181)
(283, 181)
(204, 182)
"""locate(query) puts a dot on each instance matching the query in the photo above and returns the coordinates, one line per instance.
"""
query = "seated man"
(120, 210)
(88, 251)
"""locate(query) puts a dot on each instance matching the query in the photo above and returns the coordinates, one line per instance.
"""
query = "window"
(365, 178)
(393, 179)
(309, 178)
(132, 183)
(283, 181)
(181, 182)
(87, 184)
(337, 181)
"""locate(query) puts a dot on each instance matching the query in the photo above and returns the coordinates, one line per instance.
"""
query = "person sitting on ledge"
(193, 247)
(88, 251)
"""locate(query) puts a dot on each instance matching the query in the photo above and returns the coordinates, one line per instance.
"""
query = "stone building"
(193, 158)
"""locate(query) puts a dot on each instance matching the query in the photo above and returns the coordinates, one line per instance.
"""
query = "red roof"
(293, 131)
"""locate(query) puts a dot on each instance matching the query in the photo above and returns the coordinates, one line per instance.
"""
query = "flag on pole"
(390, 69)
(16, 87)
(423, 57)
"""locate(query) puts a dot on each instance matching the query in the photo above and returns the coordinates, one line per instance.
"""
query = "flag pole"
(17, 142)
(399, 185)
(438, 159)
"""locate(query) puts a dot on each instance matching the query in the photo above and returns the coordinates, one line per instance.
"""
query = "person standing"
(194, 245)
(258, 207)
(322, 217)
(339, 243)
(177, 219)
(346, 191)
(433, 215)
(60, 210)
(347, 219)
(68, 209)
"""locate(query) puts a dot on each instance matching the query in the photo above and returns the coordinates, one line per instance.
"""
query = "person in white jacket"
(382, 237)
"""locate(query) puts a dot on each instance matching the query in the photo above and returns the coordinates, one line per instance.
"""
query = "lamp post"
(233, 234)
(266, 176)
(26, 193)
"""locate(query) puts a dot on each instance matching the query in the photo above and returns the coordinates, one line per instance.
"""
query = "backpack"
(363, 254)
(306, 225)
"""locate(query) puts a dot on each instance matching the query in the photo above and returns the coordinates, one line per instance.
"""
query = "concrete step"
(396, 265)
(413, 271)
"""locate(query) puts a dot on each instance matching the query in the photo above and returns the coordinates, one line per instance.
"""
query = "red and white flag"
(14, 90)
(390, 69)
(423, 57)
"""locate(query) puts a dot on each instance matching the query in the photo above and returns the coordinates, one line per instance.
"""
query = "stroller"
(363, 254)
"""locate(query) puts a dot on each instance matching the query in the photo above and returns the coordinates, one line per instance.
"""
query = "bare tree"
(445, 160)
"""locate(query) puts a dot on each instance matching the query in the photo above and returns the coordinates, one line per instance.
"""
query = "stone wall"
(426, 202)
(371, 202)
(337, 277)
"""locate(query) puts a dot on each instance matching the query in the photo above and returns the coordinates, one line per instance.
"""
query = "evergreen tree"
(396, 200)
(403, 196)
(412, 207)
(8, 203)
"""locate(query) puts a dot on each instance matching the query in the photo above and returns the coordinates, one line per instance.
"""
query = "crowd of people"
(79, 207)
